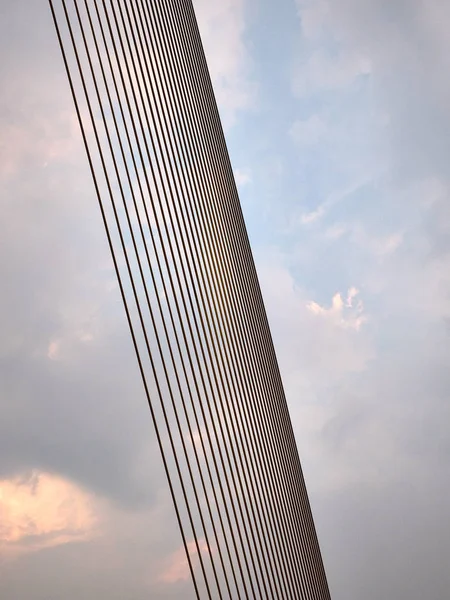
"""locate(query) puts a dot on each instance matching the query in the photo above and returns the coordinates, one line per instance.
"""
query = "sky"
(338, 127)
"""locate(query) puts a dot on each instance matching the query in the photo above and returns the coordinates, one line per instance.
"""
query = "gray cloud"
(126, 561)
(369, 407)
(375, 445)
(371, 418)
(71, 399)
(407, 70)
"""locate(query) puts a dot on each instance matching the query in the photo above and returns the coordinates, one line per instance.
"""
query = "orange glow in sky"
(43, 510)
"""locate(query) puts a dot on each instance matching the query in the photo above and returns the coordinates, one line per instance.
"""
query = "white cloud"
(68, 340)
(177, 567)
(45, 140)
(199, 438)
(335, 231)
(53, 350)
(309, 132)
(333, 200)
(315, 343)
(339, 313)
(379, 246)
(85, 336)
(243, 177)
(341, 40)
(222, 26)
(43, 511)
(323, 72)
(351, 295)
(313, 216)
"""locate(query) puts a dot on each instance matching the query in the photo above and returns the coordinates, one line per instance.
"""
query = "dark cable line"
(122, 291)
(188, 238)
(145, 288)
(164, 286)
(232, 332)
(297, 456)
(130, 272)
(169, 237)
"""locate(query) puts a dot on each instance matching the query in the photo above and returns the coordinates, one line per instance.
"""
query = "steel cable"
(209, 331)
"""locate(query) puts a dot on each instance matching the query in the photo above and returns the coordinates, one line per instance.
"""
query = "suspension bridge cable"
(218, 407)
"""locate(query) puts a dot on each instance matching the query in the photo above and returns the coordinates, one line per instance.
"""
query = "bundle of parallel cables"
(181, 253)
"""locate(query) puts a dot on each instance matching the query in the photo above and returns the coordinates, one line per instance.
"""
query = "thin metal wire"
(163, 216)
(219, 310)
(163, 282)
(122, 291)
(313, 537)
(122, 193)
(97, 141)
(188, 290)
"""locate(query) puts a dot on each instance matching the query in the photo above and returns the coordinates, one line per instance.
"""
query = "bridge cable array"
(178, 241)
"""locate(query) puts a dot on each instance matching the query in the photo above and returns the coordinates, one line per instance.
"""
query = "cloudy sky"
(337, 120)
